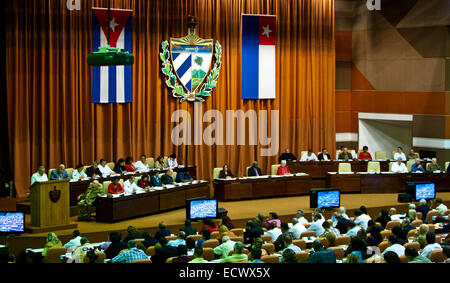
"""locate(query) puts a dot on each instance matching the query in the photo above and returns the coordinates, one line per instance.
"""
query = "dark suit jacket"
(114, 249)
(150, 242)
(322, 256)
(345, 156)
(251, 171)
(166, 179)
(249, 236)
(119, 169)
(183, 259)
(162, 233)
(189, 230)
(90, 171)
(163, 254)
(320, 157)
(222, 174)
(279, 245)
(424, 209)
(133, 237)
(286, 156)
(342, 226)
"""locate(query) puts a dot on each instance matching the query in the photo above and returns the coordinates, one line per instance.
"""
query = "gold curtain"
(52, 119)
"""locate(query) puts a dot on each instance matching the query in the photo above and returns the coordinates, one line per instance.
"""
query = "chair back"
(390, 166)
(447, 212)
(343, 240)
(271, 259)
(412, 233)
(308, 234)
(139, 240)
(110, 165)
(373, 166)
(238, 231)
(431, 228)
(416, 223)
(195, 237)
(208, 254)
(383, 245)
(324, 242)
(216, 173)
(392, 224)
(403, 259)
(54, 255)
(215, 235)
(409, 164)
(170, 259)
(385, 233)
(345, 167)
(69, 172)
(303, 153)
(300, 243)
(413, 244)
(142, 261)
(210, 244)
(302, 256)
(430, 215)
(246, 170)
(446, 165)
(419, 215)
(266, 238)
(150, 251)
(270, 248)
(338, 252)
(437, 256)
(150, 162)
(100, 258)
(237, 239)
(307, 225)
(275, 169)
(380, 155)
(171, 238)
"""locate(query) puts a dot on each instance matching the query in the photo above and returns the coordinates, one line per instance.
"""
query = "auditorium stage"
(239, 212)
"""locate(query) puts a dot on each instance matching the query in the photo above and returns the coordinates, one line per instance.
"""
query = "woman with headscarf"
(52, 241)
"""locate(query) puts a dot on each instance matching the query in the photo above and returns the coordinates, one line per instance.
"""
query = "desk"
(115, 209)
(261, 187)
(385, 182)
(78, 188)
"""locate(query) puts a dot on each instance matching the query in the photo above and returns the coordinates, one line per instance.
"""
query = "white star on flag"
(267, 31)
(113, 25)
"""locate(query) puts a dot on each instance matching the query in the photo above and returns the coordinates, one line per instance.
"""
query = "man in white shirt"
(39, 176)
(431, 245)
(352, 229)
(287, 243)
(297, 229)
(309, 156)
(172, 161)
(75, 242)
(105, 170)
(362, 219)
(316, 226)
(141, 165)
(181, 240)
(130, 186)
(273, 231)
(441, 207)
(78, 173)
(399, 167)
(223, 250)
(400, 154)
(394, 247)
(342, 211)
(301, 217)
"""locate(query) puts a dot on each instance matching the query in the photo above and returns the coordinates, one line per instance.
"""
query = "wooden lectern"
(50, 207)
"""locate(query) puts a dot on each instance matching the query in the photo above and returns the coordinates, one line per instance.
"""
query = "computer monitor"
(425, 191)
(197, 209)
(325, 198)
(12, 222)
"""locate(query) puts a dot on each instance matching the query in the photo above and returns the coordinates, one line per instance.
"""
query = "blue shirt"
(316, 227)
(56, 176)
(130, 256)
(155, 182)
(322, 256)
(415, 169)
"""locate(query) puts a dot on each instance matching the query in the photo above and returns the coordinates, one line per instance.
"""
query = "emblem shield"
(191, 58)
(55, 195)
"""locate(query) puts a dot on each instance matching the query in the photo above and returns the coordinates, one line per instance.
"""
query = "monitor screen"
(201, 209)
(12, 222)
(329, 198)
(425, 191)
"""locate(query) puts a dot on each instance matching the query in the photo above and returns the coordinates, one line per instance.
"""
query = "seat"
(50, 173)
(308, 234)
(195, 237)
(100, 258)
(392, 224)
(210, 244)
(142, 261)
(385, 233)
(324, 242)
(409, 164)
(343, 240)
(380, 155)
(393, 154)
(110, 165)
(300, 243)
(171, 238)
(150, 251)
(307, 225)
(446, 165)
(275, 169)
(412, 233)
(303, 153)
(237, 239)
(266, 238)
(124, 250)
(139, 240)
(413, 244)
(447, 212)
(215, 235)
(430, 215)
(245, 261)
(373, 166)
(390, 166)
(302, 256)
(271, 259)
(216, 173)
(106, 185)
(270, 248)
(378, 223)
(345, 167)
(70, 172)
(170, 259)
(86, 167)
(419, 215)
(403, 259)
(150, 162)
(54, 255)
(338, 252)
(431, 227)
(238, 231)
(208, 254)
(437, 256)
(383, 245)
(373, 260)
(246, 170)
(416, 223)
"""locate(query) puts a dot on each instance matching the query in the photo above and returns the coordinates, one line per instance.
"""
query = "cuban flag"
(258, 56)
(112, 84)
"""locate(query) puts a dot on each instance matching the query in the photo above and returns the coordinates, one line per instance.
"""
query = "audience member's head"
(412, 214)
(411, 206)
(430, 238)
(392, 240)
(84, 241)
(198, 252)
(238, 248)
(326, 225)
(392, 211)
(162, 225)
(331, 239)
(190, 243)
(209, 222)
(181, 235)
(300, 213)
(206, 234)
(187, 223)
(256, 253)
(423, 229)
(391, 257)
(352, 258)
(363, 209)
(411, 253)
(272, 225)
(422, 202)
(181, 250)
(273, 215)
(317, 245)
(358, 212)
(289, 256)
(284, 227)
(114, 237)
(398, 232)
(131, 230)
(131, 244)
(287, 240)
(76, 233)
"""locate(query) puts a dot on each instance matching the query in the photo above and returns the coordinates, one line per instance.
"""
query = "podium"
(50, 207)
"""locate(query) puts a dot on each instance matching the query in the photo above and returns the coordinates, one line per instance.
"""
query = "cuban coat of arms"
(187, 63)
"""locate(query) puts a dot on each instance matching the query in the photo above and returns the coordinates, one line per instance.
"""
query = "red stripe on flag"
(267, 30)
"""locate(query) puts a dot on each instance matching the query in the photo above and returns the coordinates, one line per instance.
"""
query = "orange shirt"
(283, 171)
(363, 156)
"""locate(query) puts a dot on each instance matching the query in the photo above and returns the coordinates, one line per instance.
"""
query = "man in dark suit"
(342, 223)
(188, 229)
(163, 252)
(254, 170)
(423, 208)
(324, 155)
(167, 178)
(286, 156)
(149, 240)
(320, 254)
(279, 243)
(251, 232)
(116, 245)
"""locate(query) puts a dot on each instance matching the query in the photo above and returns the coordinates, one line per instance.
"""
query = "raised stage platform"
(239, 211)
